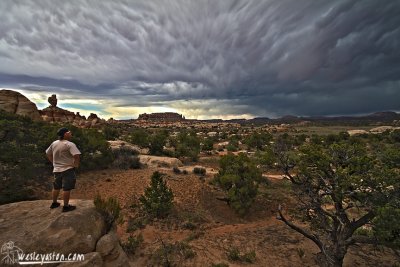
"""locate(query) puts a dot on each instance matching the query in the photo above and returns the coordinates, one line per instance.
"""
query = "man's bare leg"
(55, 195)
(66, 195)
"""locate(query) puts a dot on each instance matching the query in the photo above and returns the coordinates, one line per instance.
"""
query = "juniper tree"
(239, 177)
(157, 198)
(341, 188)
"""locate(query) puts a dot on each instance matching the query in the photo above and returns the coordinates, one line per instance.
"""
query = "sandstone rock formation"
(16, 103)
(117, 144)
(155, 161)
(56, 114)
(33, 227)
(52, 100)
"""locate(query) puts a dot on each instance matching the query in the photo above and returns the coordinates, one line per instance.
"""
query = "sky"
(205, 58)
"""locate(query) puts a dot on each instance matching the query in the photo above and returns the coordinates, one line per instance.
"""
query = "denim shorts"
(65, 180)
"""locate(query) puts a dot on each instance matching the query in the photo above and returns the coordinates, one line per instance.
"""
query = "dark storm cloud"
(265, 58)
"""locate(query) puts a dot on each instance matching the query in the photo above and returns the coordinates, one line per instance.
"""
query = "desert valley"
(208, 221)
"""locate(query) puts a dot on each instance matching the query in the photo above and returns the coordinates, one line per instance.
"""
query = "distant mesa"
(161, 116)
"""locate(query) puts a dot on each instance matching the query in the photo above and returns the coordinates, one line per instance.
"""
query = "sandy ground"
(215, 228)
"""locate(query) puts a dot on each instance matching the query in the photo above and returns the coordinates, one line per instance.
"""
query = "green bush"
(158, 197)
(126, 158)
(110, 133)
(239, 177)
(136, 223)
(235, 255)
(187, 145)
(199, 171)
(220, 265)
(110, 209)
(132, 244)
(170, 254)
(258, 140)
(208, 144)
(176, 170)
(139, 137)
(157, 142)
(386, 226)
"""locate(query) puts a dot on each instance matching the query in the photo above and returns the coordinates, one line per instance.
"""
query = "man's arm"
(76, 160)
(50, 157)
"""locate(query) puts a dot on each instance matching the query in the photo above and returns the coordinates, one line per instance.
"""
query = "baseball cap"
(62, 131)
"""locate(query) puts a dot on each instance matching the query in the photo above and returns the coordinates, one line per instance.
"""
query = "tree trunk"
(332, 257)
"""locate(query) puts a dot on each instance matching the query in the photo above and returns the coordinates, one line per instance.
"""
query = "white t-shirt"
(63, 152)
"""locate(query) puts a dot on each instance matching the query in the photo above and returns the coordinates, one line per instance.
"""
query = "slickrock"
(16, 103)
(33, 227)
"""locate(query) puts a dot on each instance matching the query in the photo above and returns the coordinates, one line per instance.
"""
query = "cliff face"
(31, 227)
(16, 103)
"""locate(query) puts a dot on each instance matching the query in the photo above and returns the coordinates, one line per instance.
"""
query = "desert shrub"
(22, 159)
(386, 227)
(173, 254)
(136, 223)
(110, 209)
(176, 170)
(133, 244)
(258, 140)
(187, 145)
(157, 142)
(110, 133)
(158, 197)
(239, 177)
(139, 137)
(96, 151)
(232, 147)
(199, 171)
(220, 265)
(266, 158)
(126, 158)
(207, 144)
(234, 254)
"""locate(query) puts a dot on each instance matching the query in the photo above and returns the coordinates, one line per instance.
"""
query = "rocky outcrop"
(155, 161)
(56, 114)
(118, 144)
(16, 103)
(110, 250)
(33, 227)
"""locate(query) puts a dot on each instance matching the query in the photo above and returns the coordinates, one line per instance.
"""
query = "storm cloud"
(208, 58)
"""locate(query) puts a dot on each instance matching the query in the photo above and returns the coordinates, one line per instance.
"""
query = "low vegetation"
(110, 209)
(342, 185)
(22, 159)
(126, 158)
(157, 198)
(239, 177)
(133, 243)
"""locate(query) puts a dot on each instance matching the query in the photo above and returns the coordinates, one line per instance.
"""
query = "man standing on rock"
(65, 157)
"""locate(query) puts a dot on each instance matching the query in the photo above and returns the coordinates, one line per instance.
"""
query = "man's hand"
(50, 157)
(76, 160)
